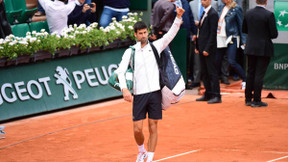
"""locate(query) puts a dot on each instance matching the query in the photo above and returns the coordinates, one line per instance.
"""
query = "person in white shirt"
(146, 87)
(57, 13)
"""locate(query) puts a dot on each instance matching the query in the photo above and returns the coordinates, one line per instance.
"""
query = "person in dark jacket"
(260, 26)
(189, 25)
(82, 13)
(113, 8)
(5, 28)
(206, 45)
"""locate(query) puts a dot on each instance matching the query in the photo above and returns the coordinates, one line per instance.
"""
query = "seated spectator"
(57, 13)
(5, 28)
(82, 13)
(41, 11)
(113, 8)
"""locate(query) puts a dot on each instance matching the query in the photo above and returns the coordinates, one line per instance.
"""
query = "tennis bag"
(113, 80)
(171, 79)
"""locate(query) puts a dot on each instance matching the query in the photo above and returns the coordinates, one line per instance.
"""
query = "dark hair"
(261, 1)
(139, 25)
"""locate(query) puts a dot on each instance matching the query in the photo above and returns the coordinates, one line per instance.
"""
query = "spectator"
(5, 28)
(57, 13)
(162, 18)
(189, 25)
(206, 45)
(82, 13)
(229, 38)
(195, 67)
(113, 8)
(41, 11)
(259, 49)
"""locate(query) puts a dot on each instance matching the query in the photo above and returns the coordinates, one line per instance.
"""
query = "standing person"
(113, 8)
(206, 44)
(146, 88)
(229, 39)
(189, 25)
(162, 17)
(5, 28)
(197, 10)
(260, 26)
(82, 13)
(57, 13)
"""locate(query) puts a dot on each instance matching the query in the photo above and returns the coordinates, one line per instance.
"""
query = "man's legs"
(153, 137)
(213, 79)
(260, 70)
(138, 133)
(139, 138)
(250, 79)
(152, 141)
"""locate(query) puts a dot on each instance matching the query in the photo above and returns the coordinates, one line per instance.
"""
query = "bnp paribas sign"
(281, 15)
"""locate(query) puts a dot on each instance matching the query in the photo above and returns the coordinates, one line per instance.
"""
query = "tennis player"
(146, 87)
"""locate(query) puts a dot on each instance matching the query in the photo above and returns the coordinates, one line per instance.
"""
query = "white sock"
(150, 156)
(141, 148)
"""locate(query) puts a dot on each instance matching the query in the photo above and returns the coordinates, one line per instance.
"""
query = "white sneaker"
(243, 85)
(141, 156)
(1, 130)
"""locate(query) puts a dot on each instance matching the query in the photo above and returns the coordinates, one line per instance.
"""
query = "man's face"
(205, 3)
(141, 35)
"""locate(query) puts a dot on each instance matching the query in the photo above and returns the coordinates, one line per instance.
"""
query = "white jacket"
(146, 72)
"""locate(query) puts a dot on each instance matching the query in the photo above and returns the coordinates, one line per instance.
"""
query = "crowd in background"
(230, 39)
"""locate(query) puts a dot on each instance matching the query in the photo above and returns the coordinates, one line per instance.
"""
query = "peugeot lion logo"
(62, 77)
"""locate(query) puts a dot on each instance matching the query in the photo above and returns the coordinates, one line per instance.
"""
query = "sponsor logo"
(62, 77)
(280, 66)
(176, 70)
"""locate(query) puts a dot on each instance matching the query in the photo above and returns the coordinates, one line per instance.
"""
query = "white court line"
(278, 159)
(177, 155)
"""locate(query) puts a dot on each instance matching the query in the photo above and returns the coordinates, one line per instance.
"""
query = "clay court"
(189, 132)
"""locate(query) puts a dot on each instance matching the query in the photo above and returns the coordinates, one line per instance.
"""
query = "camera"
(91, 5)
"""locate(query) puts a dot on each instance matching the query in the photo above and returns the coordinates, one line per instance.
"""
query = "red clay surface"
(189, 132)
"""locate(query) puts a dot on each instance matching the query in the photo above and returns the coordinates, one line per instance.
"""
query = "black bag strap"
(156, 54)
(161, 81)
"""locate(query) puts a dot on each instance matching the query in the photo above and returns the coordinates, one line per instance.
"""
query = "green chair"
(20, 30)
(38, 26)
(27, 14)
(12, 14)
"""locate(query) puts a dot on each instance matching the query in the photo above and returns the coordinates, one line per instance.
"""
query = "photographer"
(82, 13)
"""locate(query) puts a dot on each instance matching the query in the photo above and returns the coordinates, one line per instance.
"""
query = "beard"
(144, 40)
